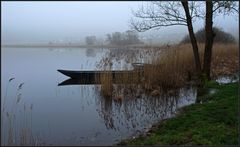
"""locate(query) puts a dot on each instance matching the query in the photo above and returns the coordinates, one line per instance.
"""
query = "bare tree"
(214, 8)
(192, 37)
(225, 8)
(209, 39)
(162, 14)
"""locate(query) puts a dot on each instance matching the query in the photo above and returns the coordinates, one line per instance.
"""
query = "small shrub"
(221, 36)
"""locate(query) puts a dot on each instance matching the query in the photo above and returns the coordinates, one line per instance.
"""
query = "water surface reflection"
(77, 113)
(132, 110)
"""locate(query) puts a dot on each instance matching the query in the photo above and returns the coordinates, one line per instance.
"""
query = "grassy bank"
(212, 122)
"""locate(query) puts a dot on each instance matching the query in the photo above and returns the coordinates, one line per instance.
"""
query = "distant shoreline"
(50, 46)
(83, 46)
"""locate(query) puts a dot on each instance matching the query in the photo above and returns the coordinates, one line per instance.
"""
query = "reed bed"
(225, 60)
(169, 70)
(175, 67)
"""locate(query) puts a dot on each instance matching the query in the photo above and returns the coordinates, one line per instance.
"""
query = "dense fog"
(64, 22)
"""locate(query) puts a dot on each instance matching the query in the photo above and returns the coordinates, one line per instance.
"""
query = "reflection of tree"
(90, 52)
(135, 112)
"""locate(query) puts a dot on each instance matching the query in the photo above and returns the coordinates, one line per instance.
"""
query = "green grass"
(214, 122)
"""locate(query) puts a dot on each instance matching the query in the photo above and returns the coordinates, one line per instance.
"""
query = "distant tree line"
(124, 38)
(90, 40)
(221, 36)
(117, 38)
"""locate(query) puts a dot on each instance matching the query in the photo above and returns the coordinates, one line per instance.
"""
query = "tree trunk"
(192, 37)
(209, 40)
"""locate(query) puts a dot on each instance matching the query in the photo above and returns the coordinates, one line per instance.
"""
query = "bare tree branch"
(225, 7)
(158, 14)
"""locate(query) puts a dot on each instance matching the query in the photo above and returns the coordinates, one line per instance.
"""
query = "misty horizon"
(64, 22)
(90, 73)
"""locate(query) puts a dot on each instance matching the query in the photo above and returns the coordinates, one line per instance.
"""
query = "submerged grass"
(213, 122)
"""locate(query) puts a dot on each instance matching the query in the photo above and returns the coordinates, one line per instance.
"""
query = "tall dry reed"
(171, 69)
(225, 59)
(16, 128)
(106, 80)
(175, 66)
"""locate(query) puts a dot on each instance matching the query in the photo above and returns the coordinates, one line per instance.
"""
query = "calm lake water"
(77, 114)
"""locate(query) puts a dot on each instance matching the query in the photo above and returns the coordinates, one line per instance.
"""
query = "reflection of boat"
(78, 82)
(86, 81)
(93, 75)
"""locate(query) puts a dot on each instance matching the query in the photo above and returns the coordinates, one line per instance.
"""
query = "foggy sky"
(36, 22)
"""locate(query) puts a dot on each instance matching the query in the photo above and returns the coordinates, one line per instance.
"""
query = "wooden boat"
(93, 75)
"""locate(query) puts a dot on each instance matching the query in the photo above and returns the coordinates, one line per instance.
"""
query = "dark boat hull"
(95, 75)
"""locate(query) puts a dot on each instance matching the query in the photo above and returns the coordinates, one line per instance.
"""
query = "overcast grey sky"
(24, 22)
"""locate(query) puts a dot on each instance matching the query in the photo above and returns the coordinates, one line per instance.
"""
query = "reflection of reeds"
(10, 129)
(132, 112)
